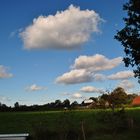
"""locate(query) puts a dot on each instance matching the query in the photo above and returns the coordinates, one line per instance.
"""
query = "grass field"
(74, 125)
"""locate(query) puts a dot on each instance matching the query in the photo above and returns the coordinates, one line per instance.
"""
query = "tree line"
(116, 98)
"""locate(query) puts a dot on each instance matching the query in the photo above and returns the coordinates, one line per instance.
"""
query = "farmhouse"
(88, 103)
(136, 101)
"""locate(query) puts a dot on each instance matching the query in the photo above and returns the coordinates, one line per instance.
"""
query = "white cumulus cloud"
(77, 95)
(66, 29)
(79, 76)
(96, 63)
(99, 77)
(35, 87)
(121, 75)
(4, 72)
(91, 89)
(85, 69)
(75, 76)
(126, 84)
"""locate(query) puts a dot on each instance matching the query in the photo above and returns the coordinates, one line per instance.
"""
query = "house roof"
(88, 101)
(136, 101)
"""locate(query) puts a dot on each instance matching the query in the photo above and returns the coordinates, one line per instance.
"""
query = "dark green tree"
(130, 98)
(66, 103)
(129, 36)
(94, 99)
(74, 104)
(16, 105)
(118, 97)
(104, 97)
(58, 103)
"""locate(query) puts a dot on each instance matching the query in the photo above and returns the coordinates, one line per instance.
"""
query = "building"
(136, 101)
(89, 103)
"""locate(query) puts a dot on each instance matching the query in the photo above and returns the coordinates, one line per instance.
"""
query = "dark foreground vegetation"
(74, 125)
(129, 36)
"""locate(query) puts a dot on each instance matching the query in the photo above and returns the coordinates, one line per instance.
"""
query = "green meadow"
(74, 125)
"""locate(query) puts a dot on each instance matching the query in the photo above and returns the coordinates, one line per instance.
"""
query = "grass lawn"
(93, 124)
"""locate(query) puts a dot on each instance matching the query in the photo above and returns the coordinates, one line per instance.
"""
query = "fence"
(14, 136)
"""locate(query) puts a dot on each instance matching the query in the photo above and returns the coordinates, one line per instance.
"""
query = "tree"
(129, 36)
(74, 104)
(94, 99)
(118, 97)
(104, 97)
(16, 105)
(66, 103)
(130, 98)
(58, 103)
(104, 100)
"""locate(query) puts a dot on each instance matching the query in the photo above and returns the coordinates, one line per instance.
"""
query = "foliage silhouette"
(129, 36)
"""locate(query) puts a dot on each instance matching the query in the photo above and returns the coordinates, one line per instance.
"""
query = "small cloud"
(35, 87)
(77, 96)
(4, 99)
(65, 94)
(91, 89)
(126, 84)
(15, 33)
(121, 75)
(67, 29)
(4, 72)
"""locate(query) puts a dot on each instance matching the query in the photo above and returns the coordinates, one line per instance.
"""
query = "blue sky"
(61, 49)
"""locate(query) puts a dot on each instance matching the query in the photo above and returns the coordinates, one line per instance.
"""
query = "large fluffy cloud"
(91, 89)
(67, 29)
(121, 75)
(4, 72)
(96, 63)
(75, 76)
